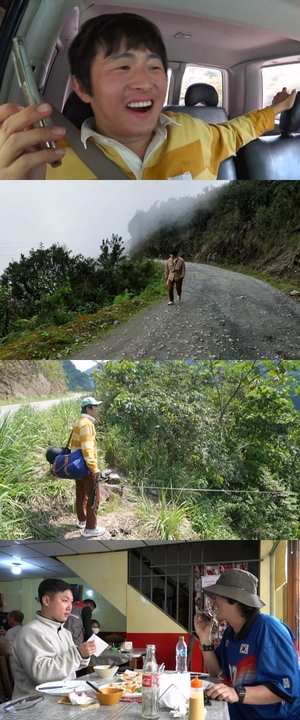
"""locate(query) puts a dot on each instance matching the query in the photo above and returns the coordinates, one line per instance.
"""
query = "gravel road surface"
(222, 315)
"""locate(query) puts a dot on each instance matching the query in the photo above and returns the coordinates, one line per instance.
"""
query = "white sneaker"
(81, 525)
(95, 532)
(171, 302)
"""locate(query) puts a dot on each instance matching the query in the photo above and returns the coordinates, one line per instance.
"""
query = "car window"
(275, 77)
(203, 74)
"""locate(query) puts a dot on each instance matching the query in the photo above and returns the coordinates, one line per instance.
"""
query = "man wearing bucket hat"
(84, 438)
(257, 657)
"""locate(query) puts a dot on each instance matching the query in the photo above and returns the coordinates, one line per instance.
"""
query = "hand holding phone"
(28, 85)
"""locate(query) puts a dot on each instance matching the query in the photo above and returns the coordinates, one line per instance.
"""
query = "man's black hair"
(88, 601)
(84, 409)
(245, 610)
(174, 252)
(51, 587)
(106, 34)
(17, 615)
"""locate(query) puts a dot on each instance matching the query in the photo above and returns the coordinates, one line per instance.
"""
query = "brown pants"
(84, 494)
(171, 284)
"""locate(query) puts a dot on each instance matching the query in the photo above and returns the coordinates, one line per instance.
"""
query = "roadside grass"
(61, 342)
(33, 503)
(286, 284)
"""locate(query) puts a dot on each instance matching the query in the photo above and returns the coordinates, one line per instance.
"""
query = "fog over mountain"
(78, 214)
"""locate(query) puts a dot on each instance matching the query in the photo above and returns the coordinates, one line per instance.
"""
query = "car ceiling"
(223, 33)
(39, 558)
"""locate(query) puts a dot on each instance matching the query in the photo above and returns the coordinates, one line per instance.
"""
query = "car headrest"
(289, 121)
(76, 110)
(201, 93)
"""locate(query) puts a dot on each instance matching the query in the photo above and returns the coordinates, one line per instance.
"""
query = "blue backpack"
(66, 464)
(71, 466)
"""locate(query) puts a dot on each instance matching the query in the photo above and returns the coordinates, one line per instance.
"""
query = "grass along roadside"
(60, 342)
(33, 504)
(286, 284)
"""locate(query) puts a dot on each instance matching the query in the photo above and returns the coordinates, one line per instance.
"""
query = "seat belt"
(92, 156)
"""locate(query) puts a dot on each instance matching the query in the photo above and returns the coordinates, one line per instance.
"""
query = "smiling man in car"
(119, 65)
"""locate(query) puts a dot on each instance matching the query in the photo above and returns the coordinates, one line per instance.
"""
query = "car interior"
(225, 58)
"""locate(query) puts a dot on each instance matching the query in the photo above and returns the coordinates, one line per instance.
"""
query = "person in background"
(84, 438)
(257, 656)
(43, 650)
(15, 619)
(174, 274)
(96, 627)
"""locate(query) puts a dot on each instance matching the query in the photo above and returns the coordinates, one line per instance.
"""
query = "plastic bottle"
(150, 685)
(181, 655)
(196, 704)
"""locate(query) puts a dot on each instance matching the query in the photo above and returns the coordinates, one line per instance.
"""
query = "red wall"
(165, 645)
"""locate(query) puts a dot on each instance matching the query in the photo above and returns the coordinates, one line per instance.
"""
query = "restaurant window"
(170, 576)
(201, 74)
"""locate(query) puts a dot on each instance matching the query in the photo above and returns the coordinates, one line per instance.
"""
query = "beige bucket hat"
(238, 585)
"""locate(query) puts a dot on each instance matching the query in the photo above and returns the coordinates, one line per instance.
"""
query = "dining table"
(49, 708)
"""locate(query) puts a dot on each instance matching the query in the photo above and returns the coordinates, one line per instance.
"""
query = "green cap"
(90, 401)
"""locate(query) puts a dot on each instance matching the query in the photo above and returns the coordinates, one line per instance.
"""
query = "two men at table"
(257, 656)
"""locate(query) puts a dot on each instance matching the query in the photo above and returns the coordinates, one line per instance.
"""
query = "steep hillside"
(250, 224)
(31, 379)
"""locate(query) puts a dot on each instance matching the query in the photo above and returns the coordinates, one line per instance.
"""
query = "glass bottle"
(150, 684)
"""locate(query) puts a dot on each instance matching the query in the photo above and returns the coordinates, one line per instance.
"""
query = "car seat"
(76, 110)
(274, 157)
(210, 113)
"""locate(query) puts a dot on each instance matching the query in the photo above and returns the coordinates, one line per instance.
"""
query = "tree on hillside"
(222, 427)
(111, 252)
(76, 379)
(42, 273)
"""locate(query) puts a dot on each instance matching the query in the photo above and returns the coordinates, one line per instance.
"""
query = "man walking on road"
(174, 274)
(84, 437)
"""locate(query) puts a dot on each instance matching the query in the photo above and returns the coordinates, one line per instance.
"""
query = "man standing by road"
(257, 656)
(174, 274)
(84, 438)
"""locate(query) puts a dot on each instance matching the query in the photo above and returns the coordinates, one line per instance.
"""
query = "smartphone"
(28, 85)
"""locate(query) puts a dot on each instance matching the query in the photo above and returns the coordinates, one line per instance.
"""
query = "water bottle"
(181, 655)
(150, 685)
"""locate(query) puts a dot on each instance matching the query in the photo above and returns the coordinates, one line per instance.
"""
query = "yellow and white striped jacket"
(183, 147)
(84, 437)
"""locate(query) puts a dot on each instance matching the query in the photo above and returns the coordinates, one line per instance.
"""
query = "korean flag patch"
(286, 683)
(244, 649)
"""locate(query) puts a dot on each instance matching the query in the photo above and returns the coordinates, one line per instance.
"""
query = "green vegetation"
(250, 225)
(52, 304)
(209, 450)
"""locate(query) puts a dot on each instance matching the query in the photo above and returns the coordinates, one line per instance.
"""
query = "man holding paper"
(44, 650)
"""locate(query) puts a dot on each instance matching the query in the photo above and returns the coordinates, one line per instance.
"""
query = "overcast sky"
(76, 214)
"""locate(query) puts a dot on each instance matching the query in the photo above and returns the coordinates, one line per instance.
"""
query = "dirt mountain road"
(223, 315)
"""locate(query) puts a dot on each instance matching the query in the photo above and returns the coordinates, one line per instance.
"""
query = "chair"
(6, 678)
(273, 157)
(210, 113)
(76, 110)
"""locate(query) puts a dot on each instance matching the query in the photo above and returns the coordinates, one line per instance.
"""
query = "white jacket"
(44, 651)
